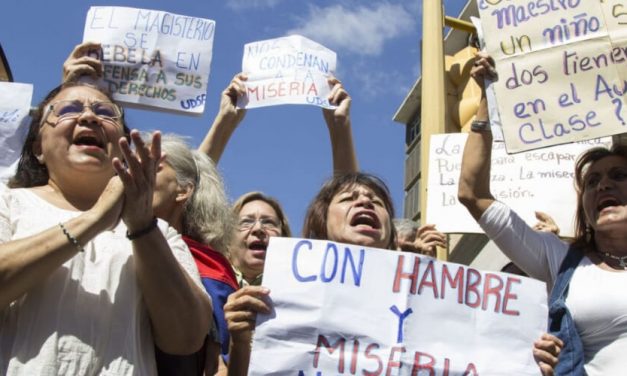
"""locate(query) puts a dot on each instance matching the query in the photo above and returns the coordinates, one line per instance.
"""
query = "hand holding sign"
(82, 63)
(229, 111)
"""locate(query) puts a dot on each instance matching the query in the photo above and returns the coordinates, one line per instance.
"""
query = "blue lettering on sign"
(9, 116)
(350, 267)
(401, 318)
(297, 249)
(188, 104)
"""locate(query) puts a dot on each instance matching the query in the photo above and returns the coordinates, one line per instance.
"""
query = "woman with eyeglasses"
(258, 218)
(89, 279)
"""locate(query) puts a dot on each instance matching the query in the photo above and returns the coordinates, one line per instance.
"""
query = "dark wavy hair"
(31, 173)
(315, 225)
(584, 234)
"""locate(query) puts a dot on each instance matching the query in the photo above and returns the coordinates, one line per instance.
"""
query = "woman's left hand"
(546, 352)
(338, 97)
(138, 179)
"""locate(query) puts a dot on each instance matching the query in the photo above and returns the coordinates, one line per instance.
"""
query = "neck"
(612, 243)
(80, 196)
(248, 275)
(173, 215)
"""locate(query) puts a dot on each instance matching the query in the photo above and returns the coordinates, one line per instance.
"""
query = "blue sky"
(283, 151)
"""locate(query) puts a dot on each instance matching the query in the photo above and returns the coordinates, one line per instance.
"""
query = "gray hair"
(406, 228)
(207, 217)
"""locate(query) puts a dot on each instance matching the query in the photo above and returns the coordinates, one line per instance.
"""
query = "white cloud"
(251, 4)
(361, 30)
(378, 83)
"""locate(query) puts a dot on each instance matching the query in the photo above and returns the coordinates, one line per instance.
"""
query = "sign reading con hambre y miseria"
(288, 70)
(153, 58)
(351, 310)
(15, 101)
(562, 69)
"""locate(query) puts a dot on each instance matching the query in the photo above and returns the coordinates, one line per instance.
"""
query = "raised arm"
(474, 181)
(339, 124)
(228, 118)
(177, 306)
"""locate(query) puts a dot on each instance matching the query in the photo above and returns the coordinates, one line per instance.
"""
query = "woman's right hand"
(483, 68)
(228, 100)
(240, 311)
(80, 63)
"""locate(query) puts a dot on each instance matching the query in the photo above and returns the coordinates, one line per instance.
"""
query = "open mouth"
(86, 139)
(257, 246)
(606, 202)
(366, 218)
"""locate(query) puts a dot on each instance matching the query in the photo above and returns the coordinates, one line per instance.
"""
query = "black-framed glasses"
(268, 224)
(70, 109)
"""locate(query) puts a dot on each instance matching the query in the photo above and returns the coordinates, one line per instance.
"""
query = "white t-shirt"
(87, 317)
(597, 298)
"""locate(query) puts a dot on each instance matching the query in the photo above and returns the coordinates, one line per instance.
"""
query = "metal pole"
(433, 95)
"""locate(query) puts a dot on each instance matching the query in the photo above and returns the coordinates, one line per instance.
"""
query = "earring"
(40, 158)
(588, 233)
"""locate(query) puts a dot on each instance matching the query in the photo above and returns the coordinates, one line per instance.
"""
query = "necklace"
(622, 260)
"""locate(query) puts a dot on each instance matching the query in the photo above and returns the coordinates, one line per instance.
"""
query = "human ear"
(184, 193)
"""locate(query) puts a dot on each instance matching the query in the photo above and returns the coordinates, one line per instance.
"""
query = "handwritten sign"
(562, 69)
(153, 58)
(288, 70)
(539, 180)
(346, 309)
(15, 101)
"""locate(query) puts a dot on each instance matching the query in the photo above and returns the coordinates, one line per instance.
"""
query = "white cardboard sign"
(562, 69)
(15, 102)
(153, 58)
(346, 309)
(288, 70)
(537, 180)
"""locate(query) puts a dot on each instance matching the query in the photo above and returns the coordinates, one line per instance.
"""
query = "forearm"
(474, 180)
(239, 359)
(342, 147)
(180, 311)
(218, 137)
(28, 261)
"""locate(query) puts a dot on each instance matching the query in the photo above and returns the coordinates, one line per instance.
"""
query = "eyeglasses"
(70, 109)
(268, 224)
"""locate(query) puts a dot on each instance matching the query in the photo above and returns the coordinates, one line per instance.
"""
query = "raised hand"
(80, 63)
(340, 98)
(228, 100)
(138, 179)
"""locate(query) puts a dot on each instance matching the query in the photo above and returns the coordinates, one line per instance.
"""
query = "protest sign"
(153, 58)
(538, 180)
(288, 70)
(562, 69)
(347, 309)
(15, 101)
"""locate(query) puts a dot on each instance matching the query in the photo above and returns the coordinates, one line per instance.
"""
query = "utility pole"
(432, 119)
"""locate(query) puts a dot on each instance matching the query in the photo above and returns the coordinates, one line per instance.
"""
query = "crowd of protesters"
(131, 260)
